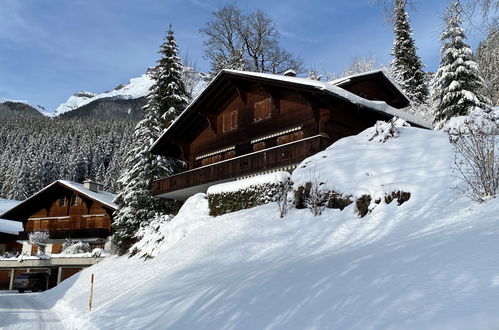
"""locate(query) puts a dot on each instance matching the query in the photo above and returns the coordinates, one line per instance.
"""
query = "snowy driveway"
(22, 311)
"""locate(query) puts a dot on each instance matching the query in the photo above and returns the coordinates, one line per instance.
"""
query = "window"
(289, 137)
(63, 201)
(75, 200)
(262, 110)
(259, 146)
(229, 121)
(211, 159)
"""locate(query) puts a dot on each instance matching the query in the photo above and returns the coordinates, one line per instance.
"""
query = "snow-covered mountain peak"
(136, 88)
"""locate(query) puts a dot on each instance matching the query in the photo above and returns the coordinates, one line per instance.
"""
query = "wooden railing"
(69, 223)
(267, 159)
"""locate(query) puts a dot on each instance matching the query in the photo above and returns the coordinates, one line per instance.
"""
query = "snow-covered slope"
(430, 263)
(137, 87)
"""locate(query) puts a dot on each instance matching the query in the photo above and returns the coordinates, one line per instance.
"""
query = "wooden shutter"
(262, 110)
(229, 121)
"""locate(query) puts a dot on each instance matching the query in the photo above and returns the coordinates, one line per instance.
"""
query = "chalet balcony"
(182, 185)
(80, 226)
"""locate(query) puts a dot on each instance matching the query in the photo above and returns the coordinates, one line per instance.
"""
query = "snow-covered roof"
(10, 227)
(103, 197)
(6, 204)
(327, 87)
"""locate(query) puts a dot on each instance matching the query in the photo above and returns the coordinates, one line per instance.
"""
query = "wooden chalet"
(9, 231)
(67, 210)
(247, 123)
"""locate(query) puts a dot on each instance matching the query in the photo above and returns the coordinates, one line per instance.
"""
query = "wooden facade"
(67, 211)
(246, 123)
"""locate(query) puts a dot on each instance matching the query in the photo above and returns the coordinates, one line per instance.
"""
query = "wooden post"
(91, 293)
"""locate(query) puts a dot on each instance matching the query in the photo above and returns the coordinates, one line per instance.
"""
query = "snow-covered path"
(23, 311)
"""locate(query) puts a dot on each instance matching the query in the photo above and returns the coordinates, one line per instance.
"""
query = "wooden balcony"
(76, 226)
(255, 162)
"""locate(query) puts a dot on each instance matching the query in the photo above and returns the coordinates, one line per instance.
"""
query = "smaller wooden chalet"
(247, 123)
(67, 210)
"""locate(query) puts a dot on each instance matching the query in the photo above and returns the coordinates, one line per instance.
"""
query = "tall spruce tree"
(406, 64)
(457, 82)
(167, 99)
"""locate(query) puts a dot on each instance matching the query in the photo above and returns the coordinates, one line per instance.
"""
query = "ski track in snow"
(24, 311)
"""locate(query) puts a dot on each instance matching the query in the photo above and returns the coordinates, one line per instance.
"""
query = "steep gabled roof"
(190, 116)
(18, 211)
(379, 73)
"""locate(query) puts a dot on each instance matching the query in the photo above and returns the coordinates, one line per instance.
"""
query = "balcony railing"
(267, 159)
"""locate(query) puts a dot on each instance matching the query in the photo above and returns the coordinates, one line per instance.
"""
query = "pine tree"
(406, 65)
(457, 82)
(167, 99)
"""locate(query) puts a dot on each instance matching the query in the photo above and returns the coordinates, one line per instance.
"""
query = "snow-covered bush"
(385, 130)
(149, 238)
(247, 193)
(97, 252)
(39, 239)
(476, 161)
(71, 247)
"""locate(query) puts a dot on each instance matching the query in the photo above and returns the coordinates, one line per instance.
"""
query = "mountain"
(20, 109)
(125, 101)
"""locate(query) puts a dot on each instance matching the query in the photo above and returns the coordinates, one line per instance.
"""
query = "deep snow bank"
(429, 263)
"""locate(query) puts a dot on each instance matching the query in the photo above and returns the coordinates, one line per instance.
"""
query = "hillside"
(18, 109)
(430, 263)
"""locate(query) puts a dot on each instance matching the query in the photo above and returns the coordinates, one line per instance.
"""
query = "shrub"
(362, 205)
(255, 195)
(71, 247)
(39, 239)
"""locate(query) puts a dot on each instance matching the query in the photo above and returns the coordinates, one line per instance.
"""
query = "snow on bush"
(98, 252)
(475, 139)
(247, 193)
(39, 239)
(165, 231)
(149, 238)
(383, 130)
(71, 247)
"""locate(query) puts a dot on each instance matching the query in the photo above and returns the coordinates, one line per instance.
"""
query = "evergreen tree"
(406, 65)
(457, 82)
(487, 57)
(167, 99)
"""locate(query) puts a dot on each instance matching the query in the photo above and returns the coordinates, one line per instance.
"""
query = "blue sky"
(50, 49)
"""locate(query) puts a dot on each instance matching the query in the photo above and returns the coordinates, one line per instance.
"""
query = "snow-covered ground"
(430, 263)
(23, 311)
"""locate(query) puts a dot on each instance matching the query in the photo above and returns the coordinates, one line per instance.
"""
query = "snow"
(6, 204)
(430, 263)
(37, 107)
(379, 168)
(101, 196)
(137, 87)
(8, 226)
(269, 178)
